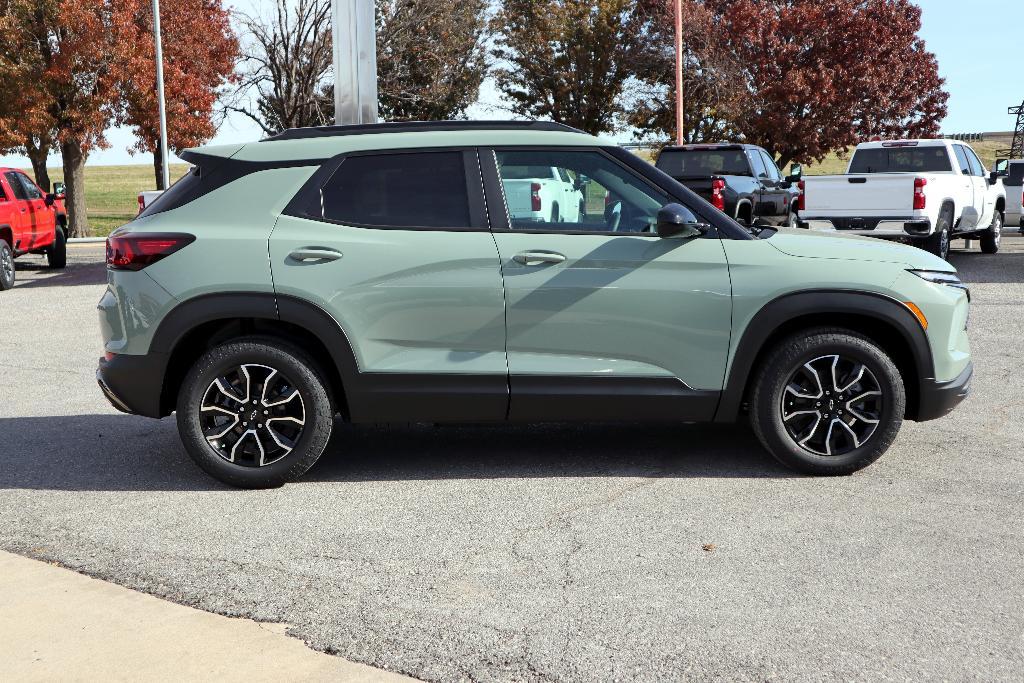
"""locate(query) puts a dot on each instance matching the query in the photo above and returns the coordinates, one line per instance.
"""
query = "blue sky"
(974, 55)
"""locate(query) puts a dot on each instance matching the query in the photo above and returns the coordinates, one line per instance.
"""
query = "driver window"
(591, 193)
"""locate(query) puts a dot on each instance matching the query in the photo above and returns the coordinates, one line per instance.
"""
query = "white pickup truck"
(542, 194)
(923, 191)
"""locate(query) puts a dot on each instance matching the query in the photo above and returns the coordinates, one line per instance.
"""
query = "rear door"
(605, 319)
(982, 202)
(969, 210)
(395, 246)
(774, 200)
(18, 212)
(42, 216)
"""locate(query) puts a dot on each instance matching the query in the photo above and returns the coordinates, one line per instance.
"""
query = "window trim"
(499, 218)
(309, 194)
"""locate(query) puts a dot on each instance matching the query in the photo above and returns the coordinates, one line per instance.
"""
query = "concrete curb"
(55, 623)
(86, 240)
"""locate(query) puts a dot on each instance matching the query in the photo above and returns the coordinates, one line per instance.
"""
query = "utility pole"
(355, 61)
(680, 116)
(165, 172)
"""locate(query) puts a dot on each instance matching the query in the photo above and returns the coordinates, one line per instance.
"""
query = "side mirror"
(675, 220)
(1002, 166)
(59, 191)
(581, 182)
(993, 177)
(796, 172)
(50, 199)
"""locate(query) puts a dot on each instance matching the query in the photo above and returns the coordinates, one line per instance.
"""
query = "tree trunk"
(37, 155)
(158, 168)
(74, 180)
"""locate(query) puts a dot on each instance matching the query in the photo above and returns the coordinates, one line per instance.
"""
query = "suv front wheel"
(254, 413)
(828, 402)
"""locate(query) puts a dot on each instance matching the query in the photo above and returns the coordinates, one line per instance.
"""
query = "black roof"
(416, 126)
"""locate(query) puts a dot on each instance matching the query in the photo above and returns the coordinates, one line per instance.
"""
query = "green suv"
(420, 272)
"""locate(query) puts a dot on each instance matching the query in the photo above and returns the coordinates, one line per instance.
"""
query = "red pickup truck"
(31, 222)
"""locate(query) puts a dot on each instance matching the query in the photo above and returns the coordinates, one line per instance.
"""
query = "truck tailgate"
(518, 195)
(854, 195)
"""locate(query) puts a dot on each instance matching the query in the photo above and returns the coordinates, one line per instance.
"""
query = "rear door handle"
(315, 254)
(536, 258)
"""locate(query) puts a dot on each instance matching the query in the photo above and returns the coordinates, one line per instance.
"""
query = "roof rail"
(415, 126)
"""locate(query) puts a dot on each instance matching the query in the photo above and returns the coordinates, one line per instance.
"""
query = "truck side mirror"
(796, 172)
(1002, 166)
(59, 191)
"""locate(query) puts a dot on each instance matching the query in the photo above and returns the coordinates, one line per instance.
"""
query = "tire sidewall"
(301, 372)
(6, 253)
(767, 412)
(57, 255)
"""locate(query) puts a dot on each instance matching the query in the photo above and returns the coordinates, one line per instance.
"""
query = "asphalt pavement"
(569, 553)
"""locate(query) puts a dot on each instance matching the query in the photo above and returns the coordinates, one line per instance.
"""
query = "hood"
(830, 245)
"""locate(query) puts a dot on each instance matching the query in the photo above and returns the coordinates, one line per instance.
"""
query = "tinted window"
(31, 191)
(961, 160)
(680, 163)
(399, 190)
(16, 187)
(1014, 175)
(977, 168)
(757, 163)
(606, 198)
(182, 191)
(773, 170)
(901, 160)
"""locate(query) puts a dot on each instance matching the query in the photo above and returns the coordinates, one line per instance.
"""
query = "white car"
(542, 194)
(1013, 181)
(923, 191)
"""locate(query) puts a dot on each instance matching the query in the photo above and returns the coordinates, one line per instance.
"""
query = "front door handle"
(315, 254)
(536, 258)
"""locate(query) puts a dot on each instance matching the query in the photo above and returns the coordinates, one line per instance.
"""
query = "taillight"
(801, 199)
(135, 251)
(535, 196)
(142, 203)
(717, 198)
(919, 199)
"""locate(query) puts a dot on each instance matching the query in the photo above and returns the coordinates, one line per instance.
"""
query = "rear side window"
(16, 187)
(403, 190)
(901, 160)
(977, 168)
(697, 163)
(1014, 175)
(31, 191)
(961, 160)
(184, 190)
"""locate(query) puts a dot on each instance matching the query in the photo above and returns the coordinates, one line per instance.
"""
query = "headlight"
(941, 277)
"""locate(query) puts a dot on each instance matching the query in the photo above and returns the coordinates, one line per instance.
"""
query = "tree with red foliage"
(820, 76)
(199, 51)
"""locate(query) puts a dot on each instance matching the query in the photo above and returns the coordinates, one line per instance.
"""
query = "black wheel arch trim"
(788, 308)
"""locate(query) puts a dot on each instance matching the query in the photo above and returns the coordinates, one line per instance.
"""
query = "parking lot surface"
(546, 552)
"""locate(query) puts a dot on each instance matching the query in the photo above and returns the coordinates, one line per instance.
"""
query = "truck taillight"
(919, 198)
(535, 196)
(135, 251)
(717, 198)
(801, 199)
(142, 203)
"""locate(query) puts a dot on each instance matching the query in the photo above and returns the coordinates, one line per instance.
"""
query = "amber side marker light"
(918, 313)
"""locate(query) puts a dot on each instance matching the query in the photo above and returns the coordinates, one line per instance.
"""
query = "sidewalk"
(59, 625)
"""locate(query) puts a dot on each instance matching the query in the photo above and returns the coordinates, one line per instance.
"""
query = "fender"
(789, 307)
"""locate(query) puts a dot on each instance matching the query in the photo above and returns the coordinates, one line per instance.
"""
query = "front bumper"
(133, 384)
(940, 398)
(886, 226)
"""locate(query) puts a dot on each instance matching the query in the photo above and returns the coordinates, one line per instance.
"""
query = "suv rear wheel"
(254, 413)
(828, 402)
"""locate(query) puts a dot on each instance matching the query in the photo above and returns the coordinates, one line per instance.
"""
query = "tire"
(249, 453)
(743, 215)
(555, 218)
(791, 220)
(6, 266)
(938, 242)
(57, 254)
(990, 238)
(794, 431)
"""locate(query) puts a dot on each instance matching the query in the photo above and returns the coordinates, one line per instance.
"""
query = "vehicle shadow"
(128, 453)
(36, 273)
(976, 267)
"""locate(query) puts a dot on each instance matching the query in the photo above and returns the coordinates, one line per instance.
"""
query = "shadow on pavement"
(36, 273)
(127, 453)
(976, 267)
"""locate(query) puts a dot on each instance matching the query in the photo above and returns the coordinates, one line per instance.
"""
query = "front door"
(41, 216)
(606, 320)
(395, 247)
(18, 212)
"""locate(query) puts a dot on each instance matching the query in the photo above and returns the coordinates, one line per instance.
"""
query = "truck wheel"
(555, 217)
(827, 402)
(991, 237)
(6, 266)
(254, 413)
(938, 242)
(57, 254)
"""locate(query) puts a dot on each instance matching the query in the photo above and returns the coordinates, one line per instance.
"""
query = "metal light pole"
(680, 116)
(165, 172)
(355, 61)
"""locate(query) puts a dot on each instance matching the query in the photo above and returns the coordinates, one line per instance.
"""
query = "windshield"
(901, 160)
(681, 163)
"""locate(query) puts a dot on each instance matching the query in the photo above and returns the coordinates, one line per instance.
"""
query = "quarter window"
(404, 190)
(588, 192)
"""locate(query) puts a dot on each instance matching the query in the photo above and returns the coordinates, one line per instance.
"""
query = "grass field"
(111, 191)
